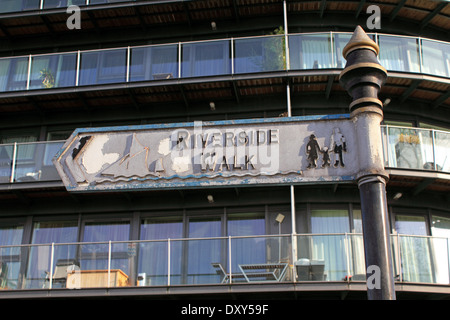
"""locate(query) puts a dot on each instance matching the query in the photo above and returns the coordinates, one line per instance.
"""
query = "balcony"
(416, 149)
(28, 162)
(7, 6)
(309, 259)
(182, 60)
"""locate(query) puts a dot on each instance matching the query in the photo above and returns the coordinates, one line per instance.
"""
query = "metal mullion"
(13, 164)
(29, 71)
(128, 64)
(168, 261)
(51, 265)
(77, 76)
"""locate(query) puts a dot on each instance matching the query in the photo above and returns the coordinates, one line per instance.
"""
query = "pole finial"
(360, 40)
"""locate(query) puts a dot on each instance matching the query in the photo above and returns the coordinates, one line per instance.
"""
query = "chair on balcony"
(318, 270)
(226, 276)
(62, 269)
(303, 269)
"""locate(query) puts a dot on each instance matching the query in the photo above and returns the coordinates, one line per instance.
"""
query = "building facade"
(97, 67)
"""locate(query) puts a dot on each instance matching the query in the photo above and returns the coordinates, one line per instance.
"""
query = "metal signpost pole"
(363, 77)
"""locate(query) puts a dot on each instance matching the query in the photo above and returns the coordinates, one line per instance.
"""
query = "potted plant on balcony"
(275, 51)
(48, 80)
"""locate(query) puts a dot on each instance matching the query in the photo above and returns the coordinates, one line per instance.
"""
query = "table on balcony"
(274, 272)
(96, 279)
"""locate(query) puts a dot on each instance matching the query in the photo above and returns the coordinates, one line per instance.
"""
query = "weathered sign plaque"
(203, 154)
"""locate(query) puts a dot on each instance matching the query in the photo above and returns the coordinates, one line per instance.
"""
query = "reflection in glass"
(53, 71)
(100, 67)
(259, 54)
(13, 74)
(6, 158)
(248, 250)
(201, 253)
(399, 53)
(154, 63)
(310, 51)
(49, 4)
(206, 58)
(39, 268)
(442, 150)
(95, 256)
(440, 227)
(153, 256)
(436, 57)
(327, 249)
(10, 257)
(410, 148)
(415, 252)
(340, 41)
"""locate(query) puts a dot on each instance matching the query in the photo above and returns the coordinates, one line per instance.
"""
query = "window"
(100, 67)
(415, 250)
(94, 256)
(399, 54)
(259, 54)
(328, 241)
(153, 256)
(252, 250)
(310, 51)
(46, 233)
(440, 228)
(52, 71)
(206, 59)
(154, 63)
(10, 235)
(202, 252)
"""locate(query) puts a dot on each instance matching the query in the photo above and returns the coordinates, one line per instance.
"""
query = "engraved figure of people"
(312, 150)
(338, 146)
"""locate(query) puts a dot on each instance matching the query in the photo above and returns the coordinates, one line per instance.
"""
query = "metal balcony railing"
(223, 57)
(249, 259)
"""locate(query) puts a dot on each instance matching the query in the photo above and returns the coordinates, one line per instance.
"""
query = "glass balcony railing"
(7, 6)
(253, 259)
(414, 148)
(215, 58)
(26, 162)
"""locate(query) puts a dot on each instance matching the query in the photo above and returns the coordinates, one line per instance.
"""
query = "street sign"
(285, 150)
